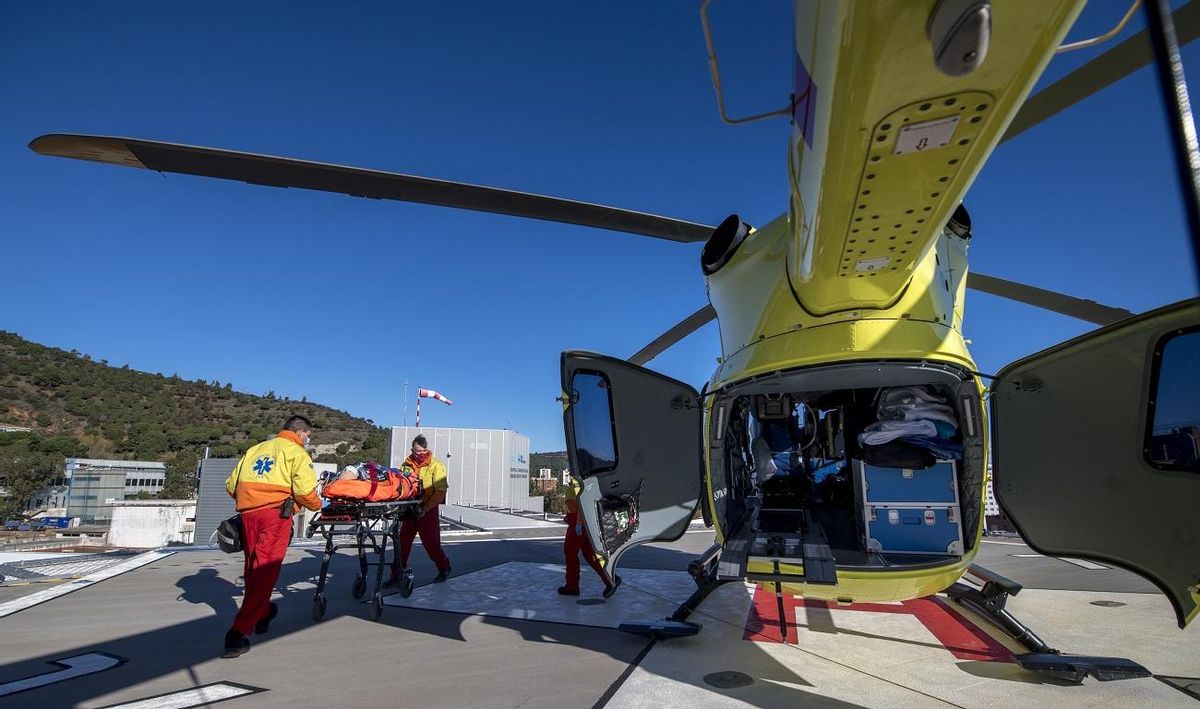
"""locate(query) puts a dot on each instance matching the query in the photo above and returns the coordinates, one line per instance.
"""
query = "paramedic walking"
(577, 541)
(432, 473)
(267, 483)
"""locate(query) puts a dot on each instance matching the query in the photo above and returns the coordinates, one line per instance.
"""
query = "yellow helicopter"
(815, 450)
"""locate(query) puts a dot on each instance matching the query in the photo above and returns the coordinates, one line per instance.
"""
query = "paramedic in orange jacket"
(434, 483)
(269, 477)
(577, 541)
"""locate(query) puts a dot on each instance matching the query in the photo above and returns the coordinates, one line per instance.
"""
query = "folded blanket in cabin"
(883, 431)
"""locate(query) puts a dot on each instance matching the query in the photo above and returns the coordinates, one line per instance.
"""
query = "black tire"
(406, 585)
(360, 587)
(376, 606)
(318, 609)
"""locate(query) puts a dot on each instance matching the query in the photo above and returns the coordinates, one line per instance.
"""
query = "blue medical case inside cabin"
(909, 529)
(936, 485)
(911, 511)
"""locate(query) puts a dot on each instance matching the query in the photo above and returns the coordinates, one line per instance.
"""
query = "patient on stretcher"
(372, 482)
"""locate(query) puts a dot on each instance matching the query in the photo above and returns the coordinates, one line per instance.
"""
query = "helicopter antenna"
(715, 71)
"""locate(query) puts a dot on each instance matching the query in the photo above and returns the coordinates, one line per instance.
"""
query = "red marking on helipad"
(961, 637)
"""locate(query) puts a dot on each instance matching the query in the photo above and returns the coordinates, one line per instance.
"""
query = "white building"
(486, 467)
(144, 524)
(92, 484)
(991, 508)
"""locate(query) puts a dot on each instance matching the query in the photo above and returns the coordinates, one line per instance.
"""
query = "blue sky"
(342, 300)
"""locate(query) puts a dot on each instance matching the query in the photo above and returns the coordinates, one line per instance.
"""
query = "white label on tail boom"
(925, 136)
(872, 264)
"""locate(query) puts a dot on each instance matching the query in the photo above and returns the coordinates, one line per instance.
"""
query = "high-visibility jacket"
(571, 492)
(432, 474)
(273, 471)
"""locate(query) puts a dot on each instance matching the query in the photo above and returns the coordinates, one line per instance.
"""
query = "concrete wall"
(152, 523)
(486, 467)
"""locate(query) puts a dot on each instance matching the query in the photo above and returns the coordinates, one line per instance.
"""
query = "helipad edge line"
(19, 604)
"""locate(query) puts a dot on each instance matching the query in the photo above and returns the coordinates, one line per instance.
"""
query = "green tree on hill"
(99, 411)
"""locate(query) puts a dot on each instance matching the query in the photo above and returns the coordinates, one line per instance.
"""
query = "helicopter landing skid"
(704, 571)
(989, 602)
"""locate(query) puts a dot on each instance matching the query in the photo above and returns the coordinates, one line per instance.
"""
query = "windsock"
(431, 394)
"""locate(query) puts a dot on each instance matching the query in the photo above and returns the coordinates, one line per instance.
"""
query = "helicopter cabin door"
(1096, 449)
(633, 441)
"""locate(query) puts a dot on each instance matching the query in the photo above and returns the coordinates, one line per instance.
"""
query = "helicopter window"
(1173, 438)
(592, 421)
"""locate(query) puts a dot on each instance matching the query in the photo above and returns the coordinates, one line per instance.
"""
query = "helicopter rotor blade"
(359, 182)
(668, 339)
(1079, 308)
(1086, 310)
(1113, 65)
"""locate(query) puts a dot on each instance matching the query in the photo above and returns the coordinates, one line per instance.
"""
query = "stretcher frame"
(372, 524)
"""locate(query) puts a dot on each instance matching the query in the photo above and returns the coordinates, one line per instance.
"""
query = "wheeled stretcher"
(372, 524)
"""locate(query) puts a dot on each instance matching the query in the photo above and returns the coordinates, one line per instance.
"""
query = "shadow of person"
(208, 587)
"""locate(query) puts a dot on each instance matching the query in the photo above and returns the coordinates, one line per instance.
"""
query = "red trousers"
(264, 542)
(572, 545)
(428, 526)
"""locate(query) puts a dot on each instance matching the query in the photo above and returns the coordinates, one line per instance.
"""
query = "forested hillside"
(80, 407)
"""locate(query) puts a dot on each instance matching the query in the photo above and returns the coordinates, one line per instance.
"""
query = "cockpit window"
(1173, 441)
(592, 420)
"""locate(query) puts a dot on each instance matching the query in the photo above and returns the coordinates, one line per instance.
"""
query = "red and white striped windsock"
(431, 394)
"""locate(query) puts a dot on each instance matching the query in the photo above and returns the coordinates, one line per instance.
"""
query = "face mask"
(421, 456)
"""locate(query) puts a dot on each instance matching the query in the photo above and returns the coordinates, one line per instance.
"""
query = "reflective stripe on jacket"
(271, 472)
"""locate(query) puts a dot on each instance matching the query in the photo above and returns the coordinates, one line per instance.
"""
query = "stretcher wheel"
(376, 606)
(406, 585)
(360, 587)
(318, 610)
(308, 532)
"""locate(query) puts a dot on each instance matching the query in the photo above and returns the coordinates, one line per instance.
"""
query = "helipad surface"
(497, 635)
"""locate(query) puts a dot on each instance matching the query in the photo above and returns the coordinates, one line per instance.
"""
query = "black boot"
(236, 644)
(610, 590)
(264, 625)
(442, 576)
(564, 591)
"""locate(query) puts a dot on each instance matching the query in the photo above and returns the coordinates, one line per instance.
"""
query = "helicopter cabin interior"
(865, 466)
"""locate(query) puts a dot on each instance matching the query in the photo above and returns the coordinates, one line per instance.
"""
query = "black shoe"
(236, 644)
(392, 582)
(564, 591)
(264, 625)
(610, 590)
(442, 576)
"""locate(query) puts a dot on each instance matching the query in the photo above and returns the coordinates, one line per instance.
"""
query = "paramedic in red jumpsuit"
(577, 541)
(434, 483)
(265, 480)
